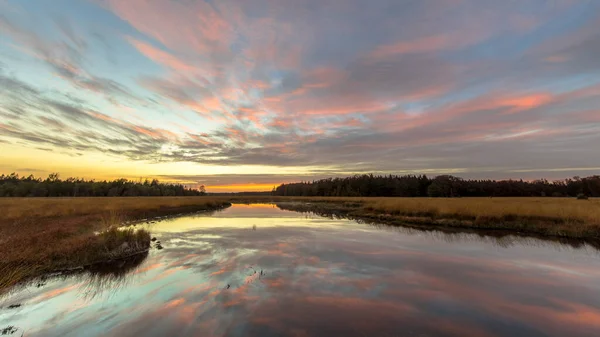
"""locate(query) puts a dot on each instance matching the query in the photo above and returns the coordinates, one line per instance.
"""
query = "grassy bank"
(41, 235)
(561, 217)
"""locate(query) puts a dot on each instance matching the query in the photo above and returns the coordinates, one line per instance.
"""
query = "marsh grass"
(551, 210)
(562, 217)
(42, 235)
(23, 209)
(111, 218)
(106, 246)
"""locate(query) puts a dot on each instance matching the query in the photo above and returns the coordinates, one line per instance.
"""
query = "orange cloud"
(508, 103)
(281, 123)
(526, 102)
(155, 133)
(53, 293)
(148, 268)
(219, 272)
(202, 139)
(162, 57)
(174, 303)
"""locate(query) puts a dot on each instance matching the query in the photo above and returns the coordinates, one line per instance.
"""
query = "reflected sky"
(262, 271)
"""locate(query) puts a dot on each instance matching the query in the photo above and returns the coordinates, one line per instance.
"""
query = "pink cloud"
(252, 115)
(525, 102)
(105, 117)
(202, 139)
(448, 124)
(162, 57)
(179, 26)
(441, 41)
(155, 133)
(506, 103)
(174, 304)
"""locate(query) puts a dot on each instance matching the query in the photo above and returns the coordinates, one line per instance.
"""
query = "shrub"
(582, 196)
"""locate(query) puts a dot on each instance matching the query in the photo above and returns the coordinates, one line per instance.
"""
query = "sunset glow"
(244, 95)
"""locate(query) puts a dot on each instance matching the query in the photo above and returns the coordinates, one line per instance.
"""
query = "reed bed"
(560, 210)
(38, 235)
(17, 209)
(41, 235)
(560, 217)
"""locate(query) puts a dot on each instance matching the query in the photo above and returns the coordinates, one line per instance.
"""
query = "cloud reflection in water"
(299, 275)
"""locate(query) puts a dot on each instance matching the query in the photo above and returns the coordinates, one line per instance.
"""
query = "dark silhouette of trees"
(366, 185)
(369, 185)
(13, 185)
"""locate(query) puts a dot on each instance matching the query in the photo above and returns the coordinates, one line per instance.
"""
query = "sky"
(247, 94)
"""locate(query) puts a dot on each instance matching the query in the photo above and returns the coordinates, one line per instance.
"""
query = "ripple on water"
(261, 271)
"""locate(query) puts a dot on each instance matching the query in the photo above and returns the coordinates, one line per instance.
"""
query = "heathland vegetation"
(13, 185)
(555, 217)
(440, 186)
(42, 235)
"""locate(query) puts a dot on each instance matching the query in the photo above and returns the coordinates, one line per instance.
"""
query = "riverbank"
(553, 217)
(43, 235)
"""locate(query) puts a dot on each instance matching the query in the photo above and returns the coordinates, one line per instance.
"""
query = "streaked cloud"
(484, 89)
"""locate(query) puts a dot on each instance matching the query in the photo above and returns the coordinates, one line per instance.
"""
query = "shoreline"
(32, 246)
(43, 235)
(519, 225)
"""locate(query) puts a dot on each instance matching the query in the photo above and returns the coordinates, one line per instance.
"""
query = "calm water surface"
(261, 271)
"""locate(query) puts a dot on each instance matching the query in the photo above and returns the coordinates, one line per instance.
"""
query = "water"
(261, 271)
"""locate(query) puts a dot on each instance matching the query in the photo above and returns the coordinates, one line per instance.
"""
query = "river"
(257, 270)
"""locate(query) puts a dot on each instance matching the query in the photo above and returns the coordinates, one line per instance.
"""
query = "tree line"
(13, 185)
(369, 185)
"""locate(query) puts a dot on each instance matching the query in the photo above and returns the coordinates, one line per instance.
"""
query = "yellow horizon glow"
(25, 160)
(241, 188)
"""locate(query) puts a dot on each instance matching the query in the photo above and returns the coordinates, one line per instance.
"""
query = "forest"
(366, 185)
(13, 185)
(369, 185)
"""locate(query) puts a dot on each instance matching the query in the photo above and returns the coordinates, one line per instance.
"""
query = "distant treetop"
(13, 185)
(369, 185)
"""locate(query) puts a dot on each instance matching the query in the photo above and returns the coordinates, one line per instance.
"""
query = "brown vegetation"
(562, 217)
(41, 235)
